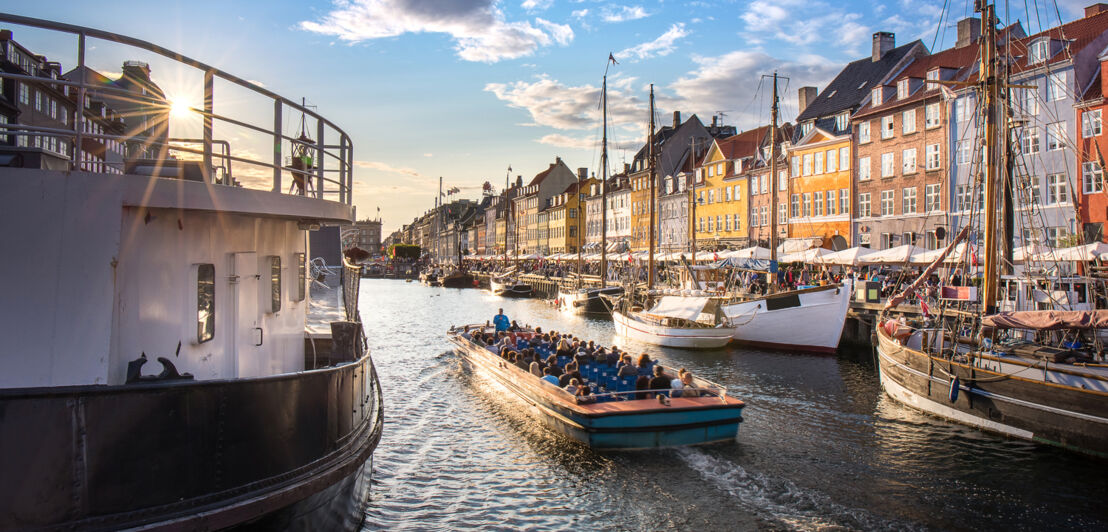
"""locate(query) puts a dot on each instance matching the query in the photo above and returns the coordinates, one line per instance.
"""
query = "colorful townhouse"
(534, 198)
(761, 189)
(822, 151)
(722, 190)
(1092, 151)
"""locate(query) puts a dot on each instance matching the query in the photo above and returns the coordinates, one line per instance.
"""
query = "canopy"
(927, 257)
(762, 265)
(898, 255)
(1084, 253)
(679, 307)
(812, 255)
(755, 252)
(793, 245)
(1049, 319)
(847, 257)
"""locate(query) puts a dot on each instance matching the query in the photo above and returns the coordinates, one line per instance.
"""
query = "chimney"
(676, 119)
(626, 168)
(883, 41)
(557, 160)
(519, 181)
(5, 35)
(969, 30)
(1095, 9)
(714, 117)
(806, 96)
(583, 173)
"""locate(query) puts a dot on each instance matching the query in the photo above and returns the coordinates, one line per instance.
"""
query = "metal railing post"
(277, 145)
(319, 157)
(79, 118)
(209, 98)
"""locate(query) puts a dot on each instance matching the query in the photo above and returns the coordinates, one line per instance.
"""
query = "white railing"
(330, 177)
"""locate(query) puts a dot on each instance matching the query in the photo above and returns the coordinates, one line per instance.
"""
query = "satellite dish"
(940, 233)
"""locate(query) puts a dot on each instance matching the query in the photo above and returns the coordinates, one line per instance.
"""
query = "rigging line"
(939, 27)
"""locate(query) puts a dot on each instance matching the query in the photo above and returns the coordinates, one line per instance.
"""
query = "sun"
(180, 107)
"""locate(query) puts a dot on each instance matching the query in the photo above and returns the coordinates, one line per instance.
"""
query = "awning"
(811, 255)
(847, 257)
(793, 245)
(679, 307)
(1085, 253)
(1049, 319)
(898, 255)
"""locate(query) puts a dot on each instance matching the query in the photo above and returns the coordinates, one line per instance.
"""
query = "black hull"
(594, 302)
(184, 455)
(520, 294)
(458, 281)
(1022, 408)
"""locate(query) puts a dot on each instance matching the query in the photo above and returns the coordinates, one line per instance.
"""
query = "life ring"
(955, 384)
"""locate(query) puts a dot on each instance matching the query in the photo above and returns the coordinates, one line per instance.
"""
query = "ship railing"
(329, 174)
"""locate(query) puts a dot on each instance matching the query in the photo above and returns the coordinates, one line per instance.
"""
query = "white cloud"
(661, 46)
(552, 104)
(479, 29)
(587, 143)
(388, 168)
(580, 13)
(536, 5)
(730, 81)
(616, 13)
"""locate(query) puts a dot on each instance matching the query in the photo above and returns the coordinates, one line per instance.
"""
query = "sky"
(465, 89)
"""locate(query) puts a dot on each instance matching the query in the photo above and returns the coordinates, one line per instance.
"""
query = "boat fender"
(955, 384)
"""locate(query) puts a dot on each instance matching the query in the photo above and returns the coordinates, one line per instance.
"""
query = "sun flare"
(180, 107)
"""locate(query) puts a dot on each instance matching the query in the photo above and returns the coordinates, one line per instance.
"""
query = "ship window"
(274, 284)
(301, 277)
(205, 302)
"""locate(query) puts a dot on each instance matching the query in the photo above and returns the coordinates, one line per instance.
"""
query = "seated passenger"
(676, 384)
(521, 363)
(645, 364)
(548, 377)
(555, 369)
(572, 386)
(584, 395)
(641, 385)
(571, 374)
(688, 387)
(626, 368)
(536, 369)
(514, 327)
(660, 381)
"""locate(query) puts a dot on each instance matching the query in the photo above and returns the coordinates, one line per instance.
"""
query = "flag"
(612, 58)
(629, 259)
(926, 310)
(715, 256)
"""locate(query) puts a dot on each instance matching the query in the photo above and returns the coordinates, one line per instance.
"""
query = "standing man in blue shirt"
(501, 321)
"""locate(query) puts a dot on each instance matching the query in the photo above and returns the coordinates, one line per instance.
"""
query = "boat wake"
(779, 501)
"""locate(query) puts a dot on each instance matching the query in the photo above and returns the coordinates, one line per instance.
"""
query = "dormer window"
(932, 75)
(1039, 51)
(805, 128)
(842, 120)
(876, 96)
(902, 89)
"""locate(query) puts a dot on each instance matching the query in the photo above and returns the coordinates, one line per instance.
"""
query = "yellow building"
(819, 188)
(722, 191)
(566, 222)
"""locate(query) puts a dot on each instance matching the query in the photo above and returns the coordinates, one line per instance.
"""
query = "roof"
(851, 87)
(1079, 34)
(962, 60)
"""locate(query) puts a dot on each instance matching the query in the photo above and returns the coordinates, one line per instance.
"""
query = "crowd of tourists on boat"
(583, 369)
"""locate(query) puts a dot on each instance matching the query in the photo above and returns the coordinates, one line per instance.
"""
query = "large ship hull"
(807, 320)
(620, 425)
(510, 288)
(181, 455)
(460, 280)
(1039, 404)
(683, 337)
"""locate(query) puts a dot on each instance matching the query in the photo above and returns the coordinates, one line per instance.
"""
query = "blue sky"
(464, 88)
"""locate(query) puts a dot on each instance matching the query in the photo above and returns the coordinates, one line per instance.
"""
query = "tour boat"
(508, 286)
(168, 361)
(617, 419)
(593, 301)
(674, 322)
(429, 277)
(810, 319)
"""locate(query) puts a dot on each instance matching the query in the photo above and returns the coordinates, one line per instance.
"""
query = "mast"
(604, 177)
(507, 213)
(773, 183)
(438, 223)
(990, 90)
(653, 170)
(692, 205)
(580, 235)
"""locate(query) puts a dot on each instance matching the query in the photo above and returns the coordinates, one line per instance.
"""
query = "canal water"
(821, 447)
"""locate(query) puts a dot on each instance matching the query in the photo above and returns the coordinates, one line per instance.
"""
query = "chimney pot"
(806, 95)
(627, 167)
(676, 119)
(5, 35)
(1089, 11)
(969, 30)
(583, 173)
(883, 41)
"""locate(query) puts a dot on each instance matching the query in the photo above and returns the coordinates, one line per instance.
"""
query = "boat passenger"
(591, 347)
(554, 368)
(572, 386)
(642, 384)
(584, 395)
(563, 348)
(626, 368)
(548, 377)
(660, 381)
(611, 359)
(688, 387)
(514, 327)
(501, 321)
(536, 369)
(676, 384)
(570, 374)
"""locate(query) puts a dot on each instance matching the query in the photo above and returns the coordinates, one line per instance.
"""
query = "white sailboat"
(675, 321)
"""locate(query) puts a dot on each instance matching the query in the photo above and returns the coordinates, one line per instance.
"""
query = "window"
(932, 75)
(754, 217)
(53, 108)
(844, 201)
(908, 122)
(795, 206)
(24, 94)
(931, 198)
(805, 128)
(832, 160)
(875, 95)
(887, 127)
(965, 151)
(1092, 177)
(1055, 235)
(1056, 86)
(961, 198)
(863, 169)
(727, 194)
(700, 224)
(738, 193)
(1056, 191)
(1055, 136)
(782, 181)
(795, 166)
(908, 200)
(765, 217)
(807, 204)
(1029, 140)
(844, 158)
(711, 196)
(864, 205)
(931, 156)
(886, 240)
(830, 202)
(965, 108)
(886, 203)
(727, 222)
(819, 162)
(274, 284)
(842, 120)
(908, 238)
(3, 131)
(1038, 52)
(719, 169)
(38, 101)
(205, 302)
(1090, 124)
(888, 165)
(863, 132)
(902, 89)
(1031, 101)
(807, 164)
(818, 204)
(737, 221)
(781, 213)
(301, 276)
(908, 160)
(765, 183)
(931, 116)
